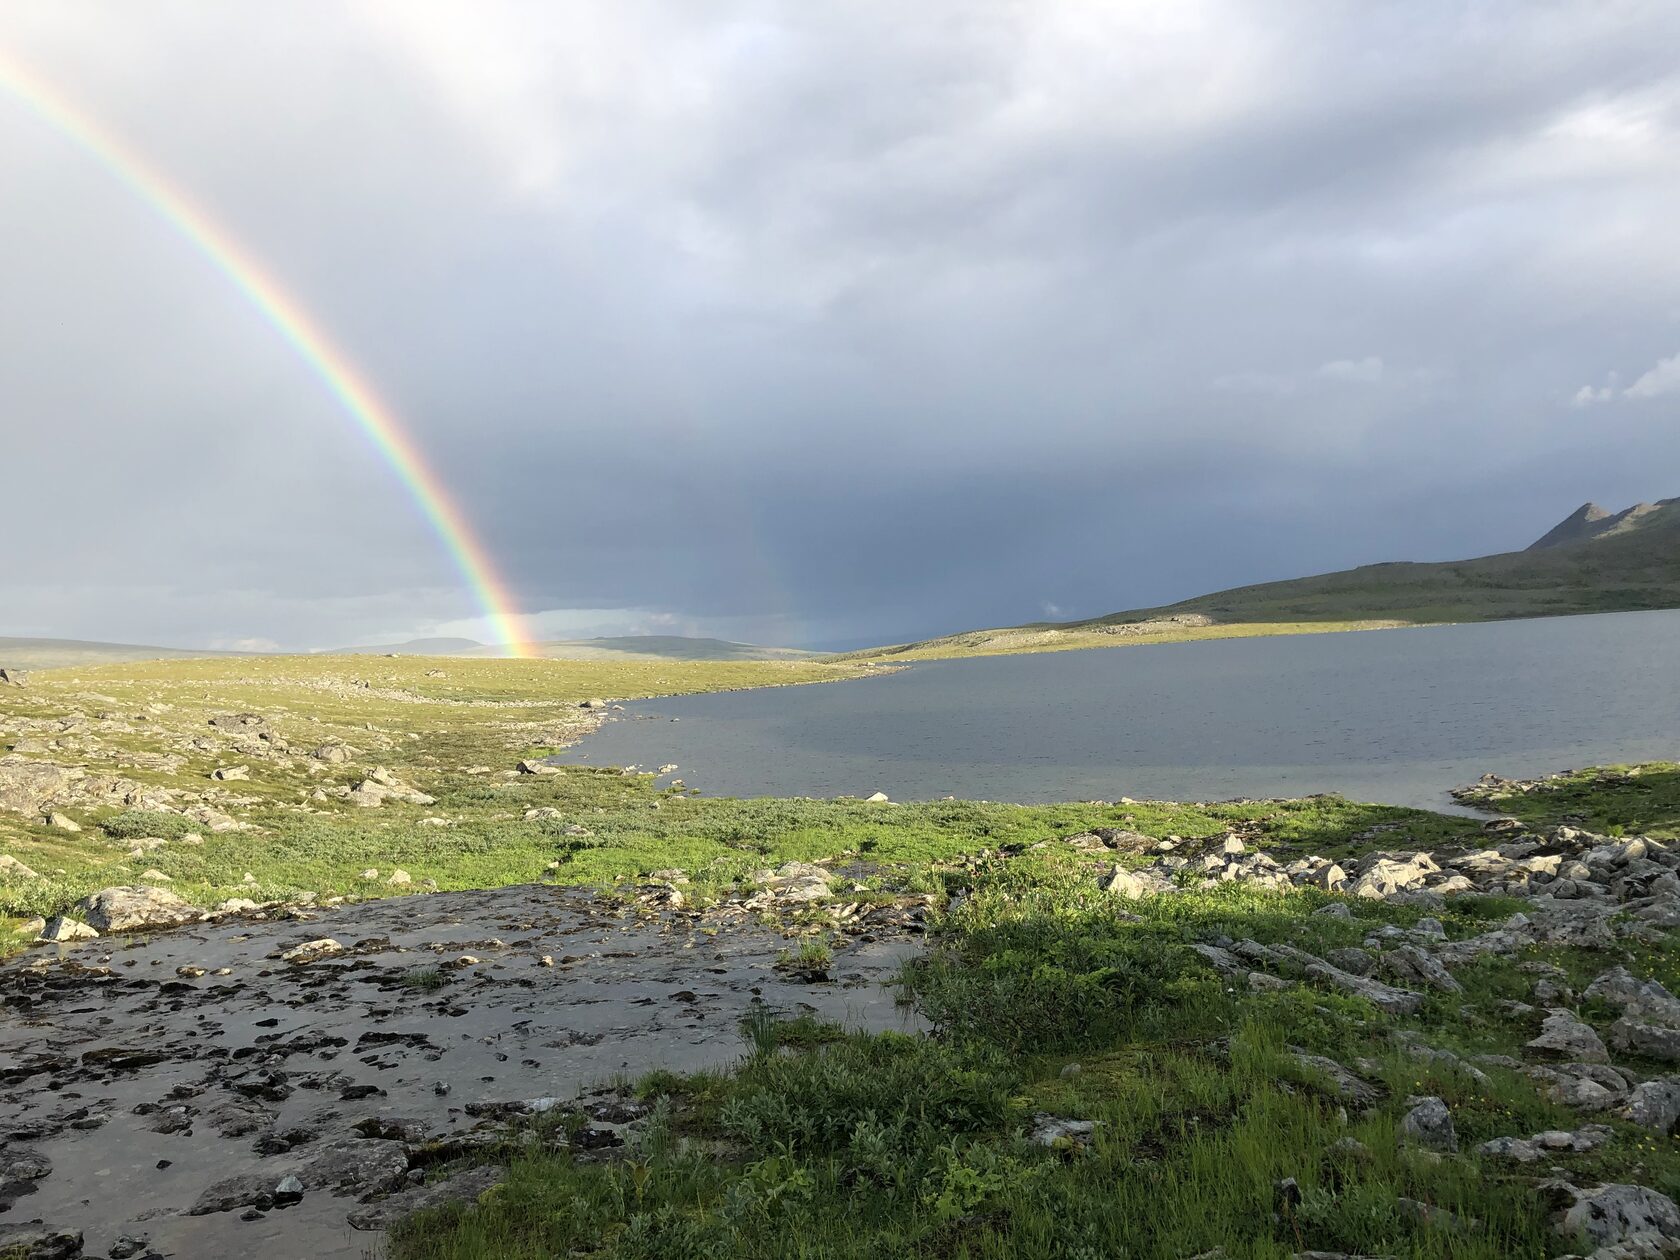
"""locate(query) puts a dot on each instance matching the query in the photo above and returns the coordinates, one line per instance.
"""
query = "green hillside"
(1593, 561)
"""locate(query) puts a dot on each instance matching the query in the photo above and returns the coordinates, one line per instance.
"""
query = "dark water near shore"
(1396, 715)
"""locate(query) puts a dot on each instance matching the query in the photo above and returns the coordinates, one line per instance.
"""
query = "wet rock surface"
(215, 1089)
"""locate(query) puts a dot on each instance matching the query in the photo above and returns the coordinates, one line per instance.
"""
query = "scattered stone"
(1059, 1133)
(1410, 965)
(1544, 1145)
(311, 951)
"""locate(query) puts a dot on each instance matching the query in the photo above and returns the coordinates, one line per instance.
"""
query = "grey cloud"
(845, 324)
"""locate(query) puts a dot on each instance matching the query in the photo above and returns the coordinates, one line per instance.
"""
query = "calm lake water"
(1395, 715)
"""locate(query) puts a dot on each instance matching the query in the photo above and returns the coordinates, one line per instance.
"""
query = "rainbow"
(378, 423)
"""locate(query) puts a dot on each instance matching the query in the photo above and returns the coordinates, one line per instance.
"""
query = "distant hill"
(26, 653)
(1592, 561)
(669, 646)
(413, 647)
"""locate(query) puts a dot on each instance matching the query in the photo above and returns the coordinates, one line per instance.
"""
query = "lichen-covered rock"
(27, 787)
(1616, 1214)
(1655, 1105)
(136, 906)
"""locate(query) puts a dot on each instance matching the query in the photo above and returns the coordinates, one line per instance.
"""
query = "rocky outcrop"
(28, 787)
(1618, 1216)
(135, 907)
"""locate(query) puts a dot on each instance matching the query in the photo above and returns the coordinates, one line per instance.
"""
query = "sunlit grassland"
(1024, 639)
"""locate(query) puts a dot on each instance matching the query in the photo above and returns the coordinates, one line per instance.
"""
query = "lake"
(1398, 716)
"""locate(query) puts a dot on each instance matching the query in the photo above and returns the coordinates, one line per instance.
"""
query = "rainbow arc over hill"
(354, 395)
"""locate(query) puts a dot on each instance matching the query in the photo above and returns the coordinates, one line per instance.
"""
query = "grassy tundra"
(1092, 1087)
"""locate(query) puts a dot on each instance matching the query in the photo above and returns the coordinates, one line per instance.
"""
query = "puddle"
(107, 1044)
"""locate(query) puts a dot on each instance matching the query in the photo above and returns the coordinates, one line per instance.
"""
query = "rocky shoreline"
(282, 1079)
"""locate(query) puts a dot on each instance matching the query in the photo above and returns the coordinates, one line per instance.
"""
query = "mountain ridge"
(1591, 561)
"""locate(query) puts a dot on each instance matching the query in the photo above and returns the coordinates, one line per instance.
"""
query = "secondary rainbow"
(378, 423)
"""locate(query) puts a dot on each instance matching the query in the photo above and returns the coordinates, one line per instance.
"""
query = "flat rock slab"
(147, 1085)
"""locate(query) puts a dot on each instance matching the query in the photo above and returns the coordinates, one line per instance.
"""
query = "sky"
(824, 325)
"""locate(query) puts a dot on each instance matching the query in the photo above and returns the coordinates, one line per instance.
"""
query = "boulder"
(1135, 884)
(9, 865)
(62, 822)
(356, 1165)
(1655, 1105)
(1545, 1145)
(27, 786)
(226, 774)
(136, 906)
(533, 766)
(1408, 964)
(1562, 1036)
(1651, 1040)
(39, 1242)
(332, 753)
(1385, 875)
(14, 677)
(311, 951)
(60, 928)
(1430, 1125)
(1616, 1214)
(240, 723)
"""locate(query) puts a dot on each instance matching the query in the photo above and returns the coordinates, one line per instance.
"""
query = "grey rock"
(1616, 1214)
(27, 787)
(1387, 875)
(361, 1165)
(241, 1191)
(1651, 1040)
(1655, 1105)
(1430, 1125)
(9, 865)
(1056, 1131)
(463, 1187)
(136, 906)
(39, 1242)
(60, 928)
(1134, 884)
(1408, 964)
(1562, 1036)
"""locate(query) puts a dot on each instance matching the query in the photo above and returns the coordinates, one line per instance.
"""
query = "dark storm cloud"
(827, 323)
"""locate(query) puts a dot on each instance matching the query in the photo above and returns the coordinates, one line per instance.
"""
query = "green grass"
(1046, 1001)
(432, 723)
(1612, 800)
